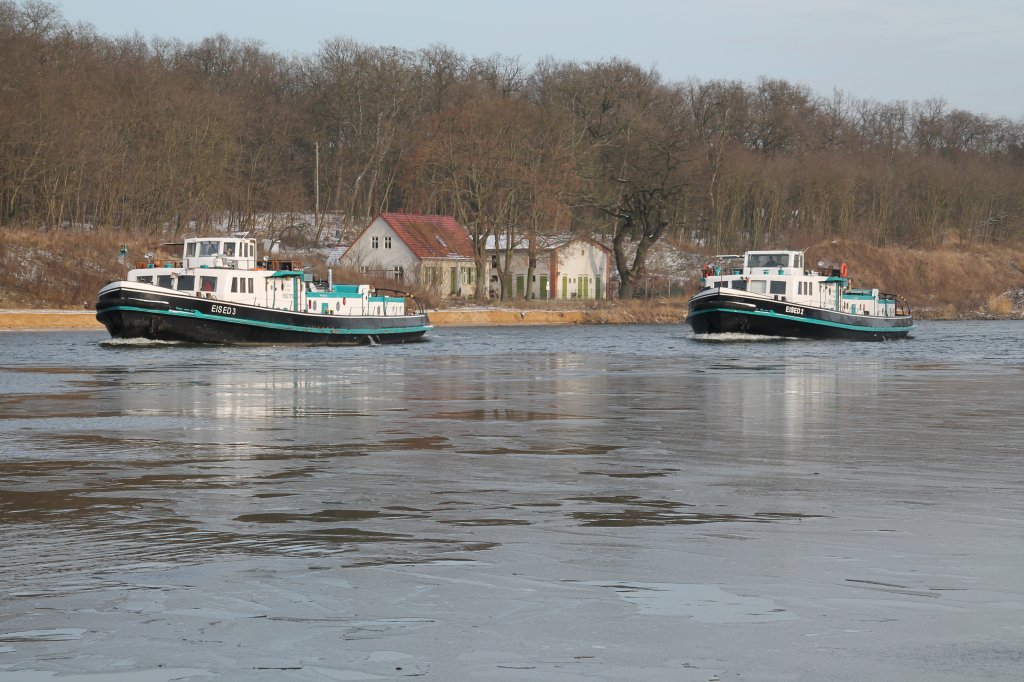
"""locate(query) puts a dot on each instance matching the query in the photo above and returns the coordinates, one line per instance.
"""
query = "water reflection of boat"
(216, 293)
(773, 294)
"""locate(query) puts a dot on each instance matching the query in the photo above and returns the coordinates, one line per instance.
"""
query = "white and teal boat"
(218, 292)
(773, 293)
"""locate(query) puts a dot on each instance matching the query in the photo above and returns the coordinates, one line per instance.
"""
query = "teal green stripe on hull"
(806, 320)
(273, 325)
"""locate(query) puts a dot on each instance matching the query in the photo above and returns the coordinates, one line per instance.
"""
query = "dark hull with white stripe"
(728, 313)
(128, 313)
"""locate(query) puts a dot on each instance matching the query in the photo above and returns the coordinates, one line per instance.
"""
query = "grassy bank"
(954, 282)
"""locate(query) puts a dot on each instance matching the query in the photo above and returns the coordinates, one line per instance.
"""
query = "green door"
(543, 287)
(584, 287)
(520, 286)
(565, 287)
(454, 274)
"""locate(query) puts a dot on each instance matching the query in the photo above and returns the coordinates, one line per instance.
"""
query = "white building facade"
(568, 268)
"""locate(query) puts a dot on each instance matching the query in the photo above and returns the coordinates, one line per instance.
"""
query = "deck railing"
(417, 303)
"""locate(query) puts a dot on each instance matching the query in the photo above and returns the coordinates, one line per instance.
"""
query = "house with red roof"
(432, 251)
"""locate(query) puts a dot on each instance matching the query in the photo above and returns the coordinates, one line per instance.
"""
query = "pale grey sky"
(968, 52)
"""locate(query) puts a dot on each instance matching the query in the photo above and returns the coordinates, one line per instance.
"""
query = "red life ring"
(842, 270)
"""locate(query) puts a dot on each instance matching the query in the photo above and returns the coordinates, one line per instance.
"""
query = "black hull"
(197, 320)
(724, 314)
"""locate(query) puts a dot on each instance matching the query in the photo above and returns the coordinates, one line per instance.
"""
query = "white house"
(430, 250)
(568, 267)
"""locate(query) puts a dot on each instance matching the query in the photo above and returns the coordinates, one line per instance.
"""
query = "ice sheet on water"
(702, 603)
(161, 675)
(55, 635)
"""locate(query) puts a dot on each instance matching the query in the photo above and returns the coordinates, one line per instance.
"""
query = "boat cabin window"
(778, 287)
(208, 283)
(739, 284)
(165, 281)
(229, 249)
(144, 279)
(186, 282)
(190, 249)
(209, 248)
(758, 286)
(798, 260)
(768, 260)
(241, 285)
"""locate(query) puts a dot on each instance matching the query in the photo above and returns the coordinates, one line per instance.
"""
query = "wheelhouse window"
(229, 249)
(768, 260)
(145, 279)
(778, 287)
(190, 249)
(186, 283)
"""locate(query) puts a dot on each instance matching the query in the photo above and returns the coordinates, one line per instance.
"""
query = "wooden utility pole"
(316, 191)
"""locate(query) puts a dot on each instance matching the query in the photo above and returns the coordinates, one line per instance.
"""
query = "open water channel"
(530, 503)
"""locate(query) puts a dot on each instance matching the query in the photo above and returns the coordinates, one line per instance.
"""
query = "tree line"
(168, 136)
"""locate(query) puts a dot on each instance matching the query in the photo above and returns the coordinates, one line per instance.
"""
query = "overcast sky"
(968, 52)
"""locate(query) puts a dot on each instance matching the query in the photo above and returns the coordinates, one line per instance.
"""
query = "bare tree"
(633, 149)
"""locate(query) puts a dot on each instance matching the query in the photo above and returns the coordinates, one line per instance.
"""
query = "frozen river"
(535, 503)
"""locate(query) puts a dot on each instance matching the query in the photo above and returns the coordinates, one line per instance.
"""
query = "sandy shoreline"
(53, 320)
(40, 320)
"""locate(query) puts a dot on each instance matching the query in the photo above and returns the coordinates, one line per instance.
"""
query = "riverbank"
(656, 313)
(659, 313)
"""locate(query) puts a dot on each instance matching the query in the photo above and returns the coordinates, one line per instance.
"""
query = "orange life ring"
(842, 270)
